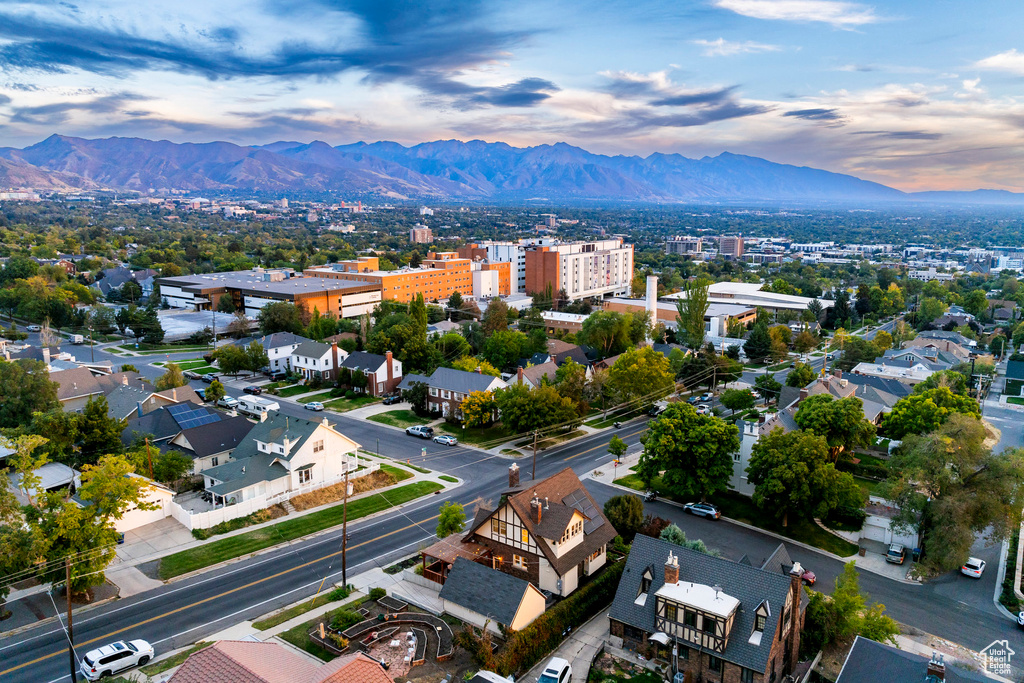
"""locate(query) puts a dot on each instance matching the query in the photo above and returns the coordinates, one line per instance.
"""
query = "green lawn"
(400, 418)
(870, 486)
(445, 477)
(478, 436)
(323, 396)
(323, 598)
(551, 440)
(397, 472)
(252, 541)
(293, 390)
(1015, 400)
(172, 661)
(742, 509)
(340, 405)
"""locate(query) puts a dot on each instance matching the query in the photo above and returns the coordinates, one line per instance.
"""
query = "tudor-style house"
(549, 532)
(713, 619)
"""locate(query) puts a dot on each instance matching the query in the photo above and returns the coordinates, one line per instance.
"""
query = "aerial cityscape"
(348, 342)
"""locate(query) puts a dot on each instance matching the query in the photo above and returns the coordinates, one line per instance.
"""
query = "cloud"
(900, 134)
(525, 92)
(816, 114)
(4, 99)
(685, 99)
(727, 48)
(839, 14)
(60, 112)
(1010, 61)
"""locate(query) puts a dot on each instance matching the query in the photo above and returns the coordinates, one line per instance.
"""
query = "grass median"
(235, 546)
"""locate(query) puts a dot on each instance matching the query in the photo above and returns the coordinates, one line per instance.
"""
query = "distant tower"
(652, 302)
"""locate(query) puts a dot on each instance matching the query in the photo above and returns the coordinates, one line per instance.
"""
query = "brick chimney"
(174, 394)
(936, 668)
(536, 509)
(796, 587)
(513, 476)
(46, 355)
(519, 375)
(390, 370)
(334, 360)
(838, 373)
(479, 371)
(803, 393)
(672, 569)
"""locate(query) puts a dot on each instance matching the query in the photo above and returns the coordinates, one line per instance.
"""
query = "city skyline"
(913, 95)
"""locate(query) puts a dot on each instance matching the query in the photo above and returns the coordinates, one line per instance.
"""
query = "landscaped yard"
(397, 472)
(323, 598)
(323, 396)
(742, 509)
(340, 405)
(870, 486)
(487, 437)
(299, 635)
(252, 541)
(1015, 400)
(293, 390)
(1013, 387)
(400, 418)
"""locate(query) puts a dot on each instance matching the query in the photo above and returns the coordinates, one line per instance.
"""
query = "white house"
(156, 494)
(315, 360)
(282, 457)
(279, 347)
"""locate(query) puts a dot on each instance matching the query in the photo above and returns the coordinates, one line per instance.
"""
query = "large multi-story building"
(513, 253)
(731, 247)
(251, 290)
(684, 246)
(421, 234)
(438, 276)
(581, 269)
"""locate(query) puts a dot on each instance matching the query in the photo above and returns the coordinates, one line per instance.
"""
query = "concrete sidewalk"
(579, 649)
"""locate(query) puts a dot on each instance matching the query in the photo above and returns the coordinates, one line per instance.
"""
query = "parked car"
(702, 510)
(315, 405)
(33, 328)
(656, 410)
(208, 378)
(392, 400)
(227, 402)
(808, 577)
(277, 376)
(693, 399)
(110, 659)
(897, 554)
(254, 390)
(422, 431)
(703, 409)
(201, 393)
(446, 440)
(557, 671)
(1020, 619)
(707, 396)
(191, 374)
(973, 567)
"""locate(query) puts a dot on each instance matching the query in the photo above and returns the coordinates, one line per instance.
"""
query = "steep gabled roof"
(311, 349)
(872, 662)
(217, 437)
(75, 383)
(462, 381)
(496, 595)
(361, 360)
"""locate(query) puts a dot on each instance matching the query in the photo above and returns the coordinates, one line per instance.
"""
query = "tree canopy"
(640, 374)
(841, 422)
(920, 413)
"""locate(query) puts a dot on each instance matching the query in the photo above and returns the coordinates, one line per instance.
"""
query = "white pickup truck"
(256, 406)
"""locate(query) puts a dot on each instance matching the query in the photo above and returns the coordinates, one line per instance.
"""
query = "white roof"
(750, 294)
(699, 596)
(714, 309)
(563, 317)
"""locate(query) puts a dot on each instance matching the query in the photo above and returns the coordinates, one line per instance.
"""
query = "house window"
(518, 561)
(683, 652)
(446, 394)
(498, 527)
(715, 664)
(306, 475)
(318, 446)
(746, 676)
(709, 625)
(690, 618)
(213, 461)
(670, 612)
(759, 622)
(524, 536)
(433, 391)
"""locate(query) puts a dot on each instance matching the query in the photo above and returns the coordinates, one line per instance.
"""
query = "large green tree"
(25, 388)
(525, 410)
(495, 318)
(173, 377)
(503, 349)
(694, 452)
(691, 307)
(281, 316)
(792, 474)
(640, 375)
(451, 519)
(606, 331)
(920, 413)
(626, 513)
(737, 399)
(841, 422)
(800, 376)
(759, 344)
(100, 432)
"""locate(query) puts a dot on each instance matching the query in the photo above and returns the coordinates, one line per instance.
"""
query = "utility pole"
(533, 475)
(149, 457)
(92, 348)
(344, 532)
(71, 637)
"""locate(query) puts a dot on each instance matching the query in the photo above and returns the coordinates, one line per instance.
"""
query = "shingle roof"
(217, 437)
(74, 383)
(240, 474)
(311, 349)
(361, 360)
(461, 381)
(409, 380)
(1014, 369)
(871, 662)
(747, 584)
(122, 400)
(534, 373)
(496, 595)
(236, 661)
(274, 340)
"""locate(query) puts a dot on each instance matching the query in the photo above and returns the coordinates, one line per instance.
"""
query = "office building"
(439, 275)
(731, 247)
(684, 246)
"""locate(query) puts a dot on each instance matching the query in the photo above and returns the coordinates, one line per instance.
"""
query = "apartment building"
(421, 234)
(684, 246)
(440, 274)
(251, 290)
(731, 247)
(491, 279)
(581, 269)
(512, 253)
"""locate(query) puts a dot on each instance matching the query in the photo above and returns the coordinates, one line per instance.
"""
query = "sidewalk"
(579, 649)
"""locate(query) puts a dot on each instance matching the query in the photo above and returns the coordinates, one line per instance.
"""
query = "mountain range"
(440, 170)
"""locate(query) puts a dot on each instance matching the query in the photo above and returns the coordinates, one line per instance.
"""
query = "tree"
(571, 382)
(737, 399)
(844, 614)
(801, 375)
(455, 304)
(791, 473)
(691, 307)
(152, 331)
(840, 422)
(215, 391)
(929, 310)
(478, 409)
(26, 461)
(606, 331)
(239, 325)
(673, 534)
(805, 342)
(101, 319)
(472, 364)
(452, 345)
(25, 388)
(948, 484)
(416, 395)
(101, 433)
(172, 378)
(451, 520)
(255, 357)
(626, 513)
(61, 429)
(495, 317)
(617, 447)
(920, 413)
(20, 545)
(855, 351)
(883, 340)
(976, 303)
(694, 452)
(951, 379)
(525, 410)
(815, 308)
(281, 316)
(758, 344)
(231, 359)
(640, 375)
(997, 346)
(225, 304)
(768, 387)
(504, 349)
(166, 467)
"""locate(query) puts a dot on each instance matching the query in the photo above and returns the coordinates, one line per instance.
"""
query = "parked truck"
(77, 339)
(256, 406)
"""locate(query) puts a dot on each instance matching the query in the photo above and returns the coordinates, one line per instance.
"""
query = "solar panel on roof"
(579, 500)
(178, 408)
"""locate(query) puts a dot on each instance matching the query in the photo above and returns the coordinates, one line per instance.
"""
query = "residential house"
(212, 444)
(317, 361)
(551, 532)
(708, 617)
(128, 399)
(956, 316)
(955, 337)
(911, 366)
(53, 476)
(383, 373)
(75, 387)
(443, 327)
(278, 346)
(238, 661)
(281, 457)
(535, 375)
(447, 388)
(933, 347)
(165, 422)
(156, 495)
(560, 352)
(490, 599)
(870, 662)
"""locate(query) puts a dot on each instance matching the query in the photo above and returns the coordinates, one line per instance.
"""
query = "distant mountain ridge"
(439, 170)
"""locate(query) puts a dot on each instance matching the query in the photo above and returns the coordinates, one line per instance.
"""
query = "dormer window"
(645, 587)
(761, 615)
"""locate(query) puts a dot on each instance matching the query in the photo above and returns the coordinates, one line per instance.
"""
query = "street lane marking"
(214, 597)
(603, 445)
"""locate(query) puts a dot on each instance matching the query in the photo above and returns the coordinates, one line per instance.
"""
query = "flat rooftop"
(253, 283)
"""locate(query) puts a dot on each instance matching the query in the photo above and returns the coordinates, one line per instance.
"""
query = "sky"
(915, 94)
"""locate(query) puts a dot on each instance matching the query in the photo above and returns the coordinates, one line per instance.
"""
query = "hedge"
(527, 647)
(867, 471)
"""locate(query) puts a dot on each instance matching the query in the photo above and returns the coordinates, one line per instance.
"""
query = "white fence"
(209, 518)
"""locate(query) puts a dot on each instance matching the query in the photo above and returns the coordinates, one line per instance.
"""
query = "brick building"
(439, 275)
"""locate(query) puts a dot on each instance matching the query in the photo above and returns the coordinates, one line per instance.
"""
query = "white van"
(256, 406)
